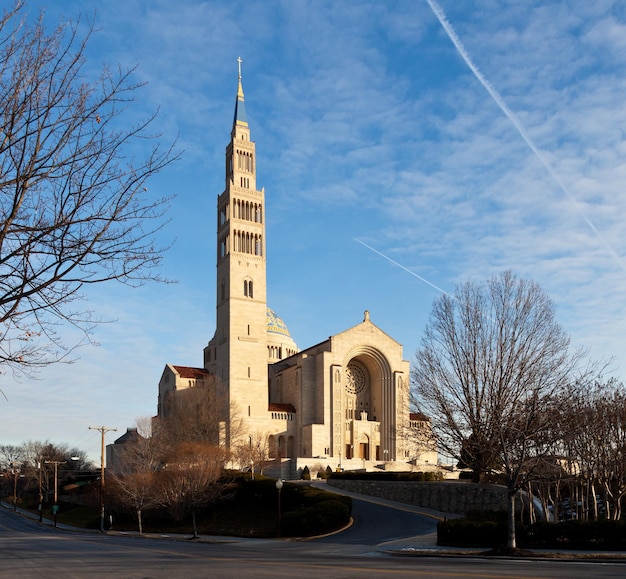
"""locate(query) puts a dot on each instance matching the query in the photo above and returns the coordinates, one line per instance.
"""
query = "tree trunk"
(139, 521)
(511, 544)
(594, 498)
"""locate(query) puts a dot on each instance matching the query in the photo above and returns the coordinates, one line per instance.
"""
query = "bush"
(476, 529)
(324, 517)
(306, 474)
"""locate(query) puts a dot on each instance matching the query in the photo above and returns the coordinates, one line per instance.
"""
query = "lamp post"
(279, 487)
(15, 472)
(55, 506)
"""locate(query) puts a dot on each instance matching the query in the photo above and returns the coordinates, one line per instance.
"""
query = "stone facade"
(344, 401)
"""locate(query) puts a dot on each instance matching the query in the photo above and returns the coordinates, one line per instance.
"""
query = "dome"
(279, 341)
(275, 325)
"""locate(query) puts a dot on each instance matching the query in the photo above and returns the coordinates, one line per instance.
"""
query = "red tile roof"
(276, 407)
(188, 372)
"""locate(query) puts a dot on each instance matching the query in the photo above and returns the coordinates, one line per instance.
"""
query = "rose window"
(356, 378)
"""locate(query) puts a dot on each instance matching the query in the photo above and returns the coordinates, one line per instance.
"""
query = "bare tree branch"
(492, 361)
(74, 201)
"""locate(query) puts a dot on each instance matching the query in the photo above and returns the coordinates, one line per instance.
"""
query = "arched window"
(248, 288)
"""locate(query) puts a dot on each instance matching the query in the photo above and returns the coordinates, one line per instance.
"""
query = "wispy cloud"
(370, 124)
(518, 126)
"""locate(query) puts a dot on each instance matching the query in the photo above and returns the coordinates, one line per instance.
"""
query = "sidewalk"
(44, 521)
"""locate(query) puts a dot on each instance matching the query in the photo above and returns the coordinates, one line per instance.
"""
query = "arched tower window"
(248, 289)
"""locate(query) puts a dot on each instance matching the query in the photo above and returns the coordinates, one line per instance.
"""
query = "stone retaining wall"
(447, 497)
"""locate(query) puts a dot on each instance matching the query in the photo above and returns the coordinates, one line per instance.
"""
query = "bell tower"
(237, 354)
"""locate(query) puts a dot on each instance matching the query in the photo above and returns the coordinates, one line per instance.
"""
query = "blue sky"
(458, 139)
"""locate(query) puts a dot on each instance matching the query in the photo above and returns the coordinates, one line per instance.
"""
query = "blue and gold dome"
(279, 341)
(276, 325)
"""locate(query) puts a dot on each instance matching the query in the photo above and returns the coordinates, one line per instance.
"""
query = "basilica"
(343, 402)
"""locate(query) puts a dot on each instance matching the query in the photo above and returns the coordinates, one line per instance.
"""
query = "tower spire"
(241, 118)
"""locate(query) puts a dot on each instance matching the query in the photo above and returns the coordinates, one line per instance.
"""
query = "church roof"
(131, 435)
(277, 407)
(188, 372)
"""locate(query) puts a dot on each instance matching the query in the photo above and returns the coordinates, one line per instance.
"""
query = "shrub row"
(322, 473)
(388, 476)
(596, 535)
(490, 530)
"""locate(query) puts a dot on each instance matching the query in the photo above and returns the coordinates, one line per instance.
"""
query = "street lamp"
(15, 471)
(279, 486)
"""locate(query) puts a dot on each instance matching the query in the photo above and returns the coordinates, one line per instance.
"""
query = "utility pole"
(40, 493)
(103, 430)
(55, 506)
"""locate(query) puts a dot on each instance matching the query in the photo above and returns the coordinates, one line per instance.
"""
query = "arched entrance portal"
(368, 405)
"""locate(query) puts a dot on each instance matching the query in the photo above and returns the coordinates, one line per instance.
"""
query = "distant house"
(115, 453)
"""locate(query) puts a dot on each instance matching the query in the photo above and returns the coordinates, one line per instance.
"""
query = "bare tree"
(599, 443)
(73, 187)
(190, 479)
(136, 480)
(491, 361)
(253, 451)
(195, 414)
(192, 415)
(11, 454)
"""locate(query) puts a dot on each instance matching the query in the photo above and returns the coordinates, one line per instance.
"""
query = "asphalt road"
(28, 549)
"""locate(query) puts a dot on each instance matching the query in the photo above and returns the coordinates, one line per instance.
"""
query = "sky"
(404, 147)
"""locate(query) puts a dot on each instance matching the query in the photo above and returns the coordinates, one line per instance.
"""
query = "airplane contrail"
(441, 16)
(403, 267)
